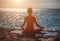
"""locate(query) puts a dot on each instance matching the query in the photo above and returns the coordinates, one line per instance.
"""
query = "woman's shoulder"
(30, 16)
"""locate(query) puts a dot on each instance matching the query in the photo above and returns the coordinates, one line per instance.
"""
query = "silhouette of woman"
(29, 22)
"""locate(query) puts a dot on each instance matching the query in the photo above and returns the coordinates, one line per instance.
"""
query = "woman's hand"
(40, 27)
(21, 26)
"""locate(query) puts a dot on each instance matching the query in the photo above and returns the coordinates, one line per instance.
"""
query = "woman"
(29, 22)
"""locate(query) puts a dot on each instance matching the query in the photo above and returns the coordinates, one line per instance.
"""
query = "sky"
(29, 3)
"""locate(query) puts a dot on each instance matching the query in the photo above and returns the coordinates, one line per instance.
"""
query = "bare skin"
(30, 20)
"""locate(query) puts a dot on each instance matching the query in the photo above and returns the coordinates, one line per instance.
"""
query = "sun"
(18, 1)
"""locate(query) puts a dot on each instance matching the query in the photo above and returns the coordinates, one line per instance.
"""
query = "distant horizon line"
(21, 9)
(29, 7)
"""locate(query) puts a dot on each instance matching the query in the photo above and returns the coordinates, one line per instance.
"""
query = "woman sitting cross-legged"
(29, 22)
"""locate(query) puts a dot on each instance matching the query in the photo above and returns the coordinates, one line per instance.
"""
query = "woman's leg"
(22, 28)
(38, 30)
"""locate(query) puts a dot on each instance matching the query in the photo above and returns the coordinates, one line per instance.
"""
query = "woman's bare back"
(29, 21)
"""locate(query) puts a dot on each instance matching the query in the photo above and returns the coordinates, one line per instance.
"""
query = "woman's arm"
(24, 22)
(37, 23)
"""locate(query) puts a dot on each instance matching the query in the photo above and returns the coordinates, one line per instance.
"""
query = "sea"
(45, 17)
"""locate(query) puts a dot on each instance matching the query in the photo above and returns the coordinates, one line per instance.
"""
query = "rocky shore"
(6, 35)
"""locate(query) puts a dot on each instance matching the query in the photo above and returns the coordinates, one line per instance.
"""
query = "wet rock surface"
(15, 37)
(5, 35)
